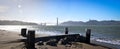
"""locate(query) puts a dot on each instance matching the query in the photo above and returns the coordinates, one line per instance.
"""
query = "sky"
(46, 11)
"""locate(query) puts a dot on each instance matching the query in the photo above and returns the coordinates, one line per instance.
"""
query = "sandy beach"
(9, 40)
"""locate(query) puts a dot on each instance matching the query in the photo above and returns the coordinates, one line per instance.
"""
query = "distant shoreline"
(90, 22)
(66, 23)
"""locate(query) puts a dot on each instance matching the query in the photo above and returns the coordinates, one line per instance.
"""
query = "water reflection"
(16, 28)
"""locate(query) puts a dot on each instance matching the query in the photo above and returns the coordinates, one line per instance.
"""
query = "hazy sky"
(47, 10)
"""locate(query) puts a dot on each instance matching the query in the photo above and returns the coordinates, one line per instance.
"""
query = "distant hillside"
(90, 22)
(7, 22)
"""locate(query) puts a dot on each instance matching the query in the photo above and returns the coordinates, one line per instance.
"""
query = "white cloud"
(3, 8)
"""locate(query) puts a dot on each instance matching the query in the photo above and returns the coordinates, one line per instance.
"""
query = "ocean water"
(108, 34)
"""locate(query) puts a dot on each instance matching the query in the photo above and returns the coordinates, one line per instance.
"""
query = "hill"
(7, 22)
(90, 22)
